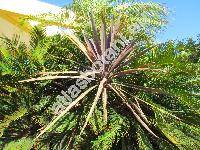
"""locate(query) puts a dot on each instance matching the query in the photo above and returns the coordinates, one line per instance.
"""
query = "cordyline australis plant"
(94, 49)
(110, 82)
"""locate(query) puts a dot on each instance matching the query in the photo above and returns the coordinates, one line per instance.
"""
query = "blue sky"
(184, 19)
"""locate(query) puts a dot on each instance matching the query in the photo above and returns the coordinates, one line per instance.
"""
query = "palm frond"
(99, 91)
(65, 111)
(79, 44)
(95, 35)
(104, 100)
(55, 77)
(121, 95)
(143, 88)
(136, 56)
(122, 56)
(133, 71)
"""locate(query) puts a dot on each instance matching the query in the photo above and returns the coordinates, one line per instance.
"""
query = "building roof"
(12, 11)
(28, 7)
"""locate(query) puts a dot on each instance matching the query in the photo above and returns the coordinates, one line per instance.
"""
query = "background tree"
(161, 90)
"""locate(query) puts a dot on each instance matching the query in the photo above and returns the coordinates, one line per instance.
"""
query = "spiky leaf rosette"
(130, 79)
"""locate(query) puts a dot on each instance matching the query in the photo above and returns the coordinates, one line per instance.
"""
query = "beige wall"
(8, 29)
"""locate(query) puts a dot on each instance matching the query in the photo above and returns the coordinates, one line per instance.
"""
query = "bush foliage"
(146, 98)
